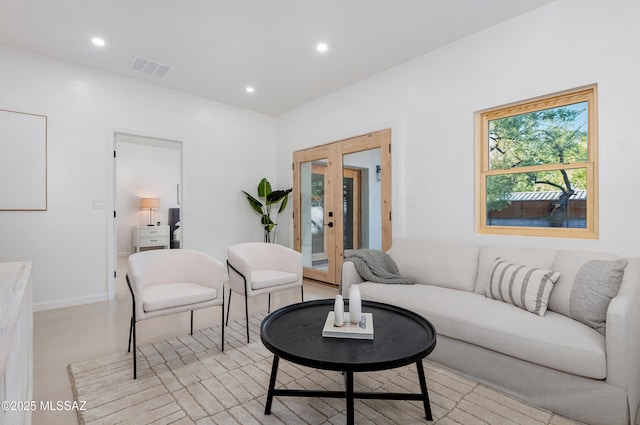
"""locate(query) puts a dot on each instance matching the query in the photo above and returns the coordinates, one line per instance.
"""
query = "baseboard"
(71, 302)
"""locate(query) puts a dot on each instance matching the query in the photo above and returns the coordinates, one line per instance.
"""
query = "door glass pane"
(350, 234)
(362, 203)
(312, 196)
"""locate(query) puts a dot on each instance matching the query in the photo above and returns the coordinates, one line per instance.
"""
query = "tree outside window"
(537, 167)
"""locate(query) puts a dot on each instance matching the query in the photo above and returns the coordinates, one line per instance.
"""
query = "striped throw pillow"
(526, 287)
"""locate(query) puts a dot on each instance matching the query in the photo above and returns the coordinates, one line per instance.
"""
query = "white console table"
(149, 236)
(16, 341)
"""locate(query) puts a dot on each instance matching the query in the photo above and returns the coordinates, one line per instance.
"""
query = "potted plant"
(271, 199)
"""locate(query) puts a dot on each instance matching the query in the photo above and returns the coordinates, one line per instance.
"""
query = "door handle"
(330, 224)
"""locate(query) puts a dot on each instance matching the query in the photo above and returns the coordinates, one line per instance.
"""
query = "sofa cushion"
(450, 265)
(533, 257)
(526, 287)
(554, 340)
(587, 284)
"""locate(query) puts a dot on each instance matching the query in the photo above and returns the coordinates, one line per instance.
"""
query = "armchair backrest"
(265, 256)
(158, 267)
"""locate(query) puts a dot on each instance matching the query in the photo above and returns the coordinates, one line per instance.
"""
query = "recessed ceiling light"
(97, 41)
(249, 89)
(322, 47)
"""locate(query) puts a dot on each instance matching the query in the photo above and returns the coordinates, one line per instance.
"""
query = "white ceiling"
(216, 48)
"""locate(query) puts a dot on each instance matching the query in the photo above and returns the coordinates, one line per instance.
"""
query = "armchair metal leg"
(301, 293)
(135, 349)
(269, 305)
(191, 322)
(246, 314)
(130, 333)
(222, 322)
(228, 306)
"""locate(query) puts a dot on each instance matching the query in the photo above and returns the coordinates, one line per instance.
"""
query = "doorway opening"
(148, 168)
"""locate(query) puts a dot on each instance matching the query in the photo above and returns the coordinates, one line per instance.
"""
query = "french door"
(342, 202)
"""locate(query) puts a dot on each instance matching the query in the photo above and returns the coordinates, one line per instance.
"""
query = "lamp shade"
(149, 203)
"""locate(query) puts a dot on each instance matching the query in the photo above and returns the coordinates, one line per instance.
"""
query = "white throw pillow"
(523, 286)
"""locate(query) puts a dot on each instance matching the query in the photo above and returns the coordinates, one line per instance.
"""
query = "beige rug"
(187, 380)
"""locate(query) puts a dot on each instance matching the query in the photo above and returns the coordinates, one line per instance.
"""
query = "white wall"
(429, 104)
(146, 168)
(224, 151)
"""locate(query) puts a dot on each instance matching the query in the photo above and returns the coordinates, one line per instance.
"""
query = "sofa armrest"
(622, 336)
(349, 277)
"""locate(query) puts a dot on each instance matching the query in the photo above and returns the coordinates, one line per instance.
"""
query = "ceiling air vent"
(149, 67)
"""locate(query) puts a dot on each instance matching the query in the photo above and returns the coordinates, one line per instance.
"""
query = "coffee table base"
(349, 395)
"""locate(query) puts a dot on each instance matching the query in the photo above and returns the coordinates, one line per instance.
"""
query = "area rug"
(187, 380)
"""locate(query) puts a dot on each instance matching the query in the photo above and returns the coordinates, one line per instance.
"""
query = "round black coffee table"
(400, 337)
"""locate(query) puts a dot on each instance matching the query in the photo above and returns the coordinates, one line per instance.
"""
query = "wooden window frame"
(587, 93)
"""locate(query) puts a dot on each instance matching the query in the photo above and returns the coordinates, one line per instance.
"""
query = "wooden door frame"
(308, 155)
(379, 139)
(334, 152)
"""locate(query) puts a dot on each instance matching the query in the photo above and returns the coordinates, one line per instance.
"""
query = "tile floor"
(67, 335)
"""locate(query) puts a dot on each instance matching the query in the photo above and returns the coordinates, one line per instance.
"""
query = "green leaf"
(264, 188)
(277, 195)
(283, 205)
(255, 204)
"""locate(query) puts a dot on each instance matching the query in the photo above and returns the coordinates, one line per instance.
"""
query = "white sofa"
(551, 361)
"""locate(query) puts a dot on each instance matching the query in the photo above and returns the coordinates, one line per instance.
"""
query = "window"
(538, 167)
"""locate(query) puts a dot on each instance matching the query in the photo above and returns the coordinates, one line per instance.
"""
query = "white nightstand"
(145, 236)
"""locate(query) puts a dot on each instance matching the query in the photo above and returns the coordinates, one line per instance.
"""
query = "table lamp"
(150, 204)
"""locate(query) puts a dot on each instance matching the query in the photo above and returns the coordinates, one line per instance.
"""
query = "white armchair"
(166, 281)
(257, 268)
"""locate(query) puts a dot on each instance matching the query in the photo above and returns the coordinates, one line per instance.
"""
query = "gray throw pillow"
(595, 284)
(588, 281)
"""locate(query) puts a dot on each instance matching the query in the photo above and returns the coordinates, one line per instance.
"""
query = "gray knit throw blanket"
(376, 266)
